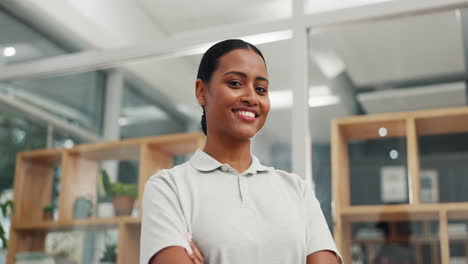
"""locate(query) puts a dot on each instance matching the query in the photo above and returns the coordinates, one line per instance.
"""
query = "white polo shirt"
(262, 215)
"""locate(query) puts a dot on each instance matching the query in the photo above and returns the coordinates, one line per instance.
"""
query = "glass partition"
(142, 115)
(376, 74)
(76, 97)
(396, 242)
(443, 152)
(20, 42)
(168, 101)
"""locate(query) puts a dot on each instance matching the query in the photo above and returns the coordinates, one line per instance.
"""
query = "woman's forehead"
(245, 60)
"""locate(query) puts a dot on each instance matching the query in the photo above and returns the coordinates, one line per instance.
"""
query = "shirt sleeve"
(318, 234)
(163, 223)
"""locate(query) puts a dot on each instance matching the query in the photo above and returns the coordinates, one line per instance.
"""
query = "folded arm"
(179, 255)
(171, 255)
(323, 257)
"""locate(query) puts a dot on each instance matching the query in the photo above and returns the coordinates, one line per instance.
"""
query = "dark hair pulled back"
(210, 62)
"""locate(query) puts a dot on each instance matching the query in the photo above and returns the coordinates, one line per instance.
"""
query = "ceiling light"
(9, 51)
(393, 154)
(269, 37)
(256, 39)
(323, 100)
(326, 5)
(68, 143)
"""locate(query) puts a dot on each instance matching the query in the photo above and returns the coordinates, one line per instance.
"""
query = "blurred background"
(74, 71)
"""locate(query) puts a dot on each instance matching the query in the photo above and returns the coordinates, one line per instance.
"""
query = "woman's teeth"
(246, 113)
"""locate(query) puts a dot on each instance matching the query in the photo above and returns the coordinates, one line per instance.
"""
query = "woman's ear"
(200, 92)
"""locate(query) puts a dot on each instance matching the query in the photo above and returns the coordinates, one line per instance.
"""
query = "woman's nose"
(250, 96)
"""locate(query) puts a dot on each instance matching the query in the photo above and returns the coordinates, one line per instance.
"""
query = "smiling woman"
(223, 206)
(225, 58)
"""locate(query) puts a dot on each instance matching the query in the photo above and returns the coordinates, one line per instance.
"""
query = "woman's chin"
(245, 133)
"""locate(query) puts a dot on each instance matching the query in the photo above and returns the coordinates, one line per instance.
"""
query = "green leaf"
(122, 189)
(4, 210)
(110, 253)
(49, 208)
(5, 206)
(4, 241)
(2, 237)
(106, 182)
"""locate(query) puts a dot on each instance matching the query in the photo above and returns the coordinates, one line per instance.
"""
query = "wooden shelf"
(79, 167)
(425, 239)
(404, 212)
(409, 126)
(78, 223)
(373, 213)
(108, 152)
(50, 157)
(370, 130)
(410, 240)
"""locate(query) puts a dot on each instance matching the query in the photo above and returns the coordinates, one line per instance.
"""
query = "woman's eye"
(261, 90)
(234, 83)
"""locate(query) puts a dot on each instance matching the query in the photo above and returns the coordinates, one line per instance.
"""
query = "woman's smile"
(246, 114)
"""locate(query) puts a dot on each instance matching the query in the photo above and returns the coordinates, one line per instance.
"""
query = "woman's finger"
(193, 257)
(196, 251)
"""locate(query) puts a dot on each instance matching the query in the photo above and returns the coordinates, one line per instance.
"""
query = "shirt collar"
(204, 162)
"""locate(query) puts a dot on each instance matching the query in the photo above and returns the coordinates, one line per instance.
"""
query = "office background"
(75, 72)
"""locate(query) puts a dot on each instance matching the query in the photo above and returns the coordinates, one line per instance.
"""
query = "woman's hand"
(194, 253)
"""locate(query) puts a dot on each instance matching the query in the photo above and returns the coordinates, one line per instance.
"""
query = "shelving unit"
(79, 167)
(409, 126)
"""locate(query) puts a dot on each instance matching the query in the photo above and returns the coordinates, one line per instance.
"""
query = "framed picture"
(429, 185)
(393, 184)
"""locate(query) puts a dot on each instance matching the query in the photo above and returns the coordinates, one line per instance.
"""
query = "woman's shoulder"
(170, 174)
(294, 180)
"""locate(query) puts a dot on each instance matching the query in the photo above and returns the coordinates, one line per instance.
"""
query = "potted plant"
(110, 254)
(6, 208)
(48, 212)
(123, 195)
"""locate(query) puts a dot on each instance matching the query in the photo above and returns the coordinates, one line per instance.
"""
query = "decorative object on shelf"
(7, 209)
(110, 254)
(105, 209)
(457, 229)
(357, 254)
(393, 184)
(48, 212)
(429, 186)
(66, 246)
(123, 195)
(82, 208)
(369, 233)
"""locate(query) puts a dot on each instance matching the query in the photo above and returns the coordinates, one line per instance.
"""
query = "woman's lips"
(246, 116)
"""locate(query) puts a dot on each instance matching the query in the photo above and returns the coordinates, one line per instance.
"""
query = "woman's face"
(236, 100)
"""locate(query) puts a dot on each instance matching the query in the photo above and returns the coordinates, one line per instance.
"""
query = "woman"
(236, 210)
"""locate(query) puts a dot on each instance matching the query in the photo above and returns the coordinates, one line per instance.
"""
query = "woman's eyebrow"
(243, 75)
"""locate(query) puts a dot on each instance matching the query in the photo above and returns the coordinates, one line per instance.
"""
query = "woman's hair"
(210, 62)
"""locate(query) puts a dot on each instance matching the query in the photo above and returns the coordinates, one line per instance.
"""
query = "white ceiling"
(432, 96)
(373, 53)
(186, 15)
(400, 49)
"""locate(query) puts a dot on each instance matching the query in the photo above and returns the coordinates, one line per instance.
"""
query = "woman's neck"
(234, 152)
